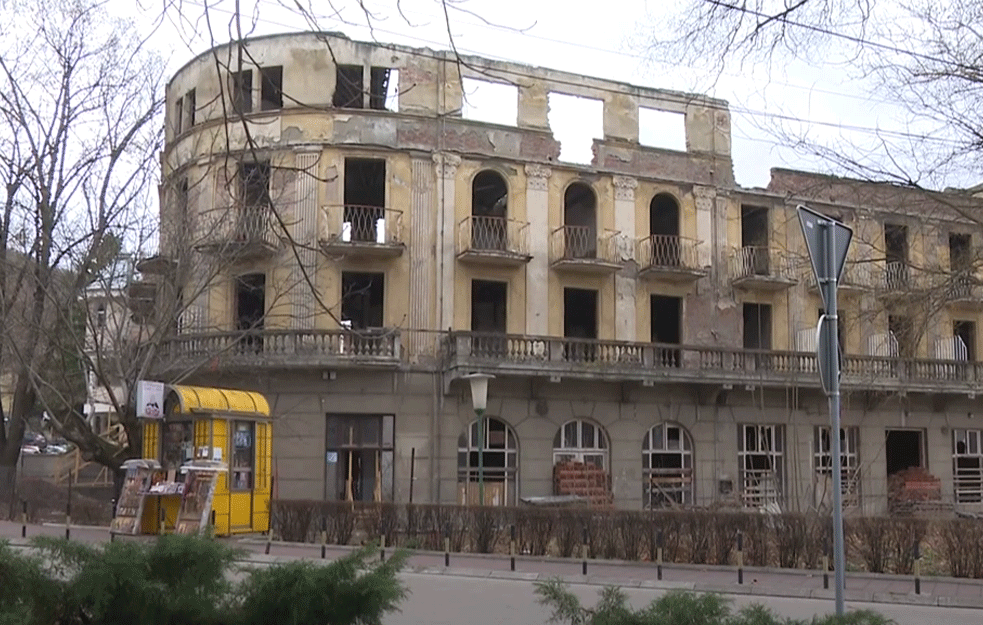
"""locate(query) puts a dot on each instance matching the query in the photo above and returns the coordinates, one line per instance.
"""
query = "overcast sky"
(604, 42)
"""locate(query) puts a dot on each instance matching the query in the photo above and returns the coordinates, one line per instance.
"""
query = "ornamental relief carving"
(446, 165)
(537, 177)
(624, 188)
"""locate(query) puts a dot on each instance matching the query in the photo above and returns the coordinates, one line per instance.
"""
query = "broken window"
(965, 331)
(490, 102)
(348, 89)
(580, 324)
(489, 210)
(902, 328)
(575, 123)
(101, 316)
(580, 221)
(667, 467)
(582, 442)
(754, 241)
(822, 455)
(271, 88)
(667, 316)
(191, 104)
(178, 116)
(499, 459)
(254, 198)
(379, 78)
(365, 199)
(662, 129)
(362, 299)
(488, 316)
(664, 231)
(359, 457)
(241, 87)
(903, 450)
(761, 461)
(896, 256)
(967, 465)
(250, 310)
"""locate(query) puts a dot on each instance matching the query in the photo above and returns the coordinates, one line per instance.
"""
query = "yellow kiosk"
(207, 460)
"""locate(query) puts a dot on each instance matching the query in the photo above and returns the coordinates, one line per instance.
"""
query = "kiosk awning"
(202, 399)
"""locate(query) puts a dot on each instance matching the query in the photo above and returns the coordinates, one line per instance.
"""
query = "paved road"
(451, 600)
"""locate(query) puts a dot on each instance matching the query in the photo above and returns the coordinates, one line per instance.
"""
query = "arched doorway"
(664, 231)
(500, 459)
(667, 466)
(580, 221)
(489, 211)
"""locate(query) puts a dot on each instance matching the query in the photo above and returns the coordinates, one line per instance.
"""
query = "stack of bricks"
(913, 489)
(584, 480)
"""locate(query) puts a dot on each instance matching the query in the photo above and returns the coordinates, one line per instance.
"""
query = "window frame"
(776, 459)
(653, 447)
(234, 449)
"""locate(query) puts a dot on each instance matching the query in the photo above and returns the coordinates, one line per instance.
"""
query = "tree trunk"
(8, 490)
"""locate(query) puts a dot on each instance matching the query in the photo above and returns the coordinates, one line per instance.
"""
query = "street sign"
(813, 226)
(824, 359)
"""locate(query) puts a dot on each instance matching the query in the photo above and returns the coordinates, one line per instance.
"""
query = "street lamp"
(479, 401)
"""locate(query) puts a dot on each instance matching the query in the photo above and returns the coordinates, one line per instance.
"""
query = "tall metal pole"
(833, 349)
(481, 455)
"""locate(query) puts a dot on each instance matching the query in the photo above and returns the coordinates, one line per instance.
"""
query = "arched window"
(667, 466)
(664, 231)
(580, 221)
(500, 459)
(489, 211)
(581, 441)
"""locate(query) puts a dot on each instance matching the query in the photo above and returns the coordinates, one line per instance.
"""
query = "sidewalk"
(861, 587)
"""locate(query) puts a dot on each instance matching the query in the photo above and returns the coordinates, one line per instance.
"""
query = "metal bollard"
(324, 538)
(658, 555)
(918, 569)
(382, 548)
(23, 519)
(447, 546)
(68, 510)
(512, 547)
(211, 528)
(583, 568)
(740, 557)
(825, 572)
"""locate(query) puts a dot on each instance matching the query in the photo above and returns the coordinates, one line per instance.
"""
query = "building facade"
(353, 246)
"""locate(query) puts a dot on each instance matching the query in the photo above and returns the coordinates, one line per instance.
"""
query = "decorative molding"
(537, 177)
(624, 188)
(446, 164)
(704, 197)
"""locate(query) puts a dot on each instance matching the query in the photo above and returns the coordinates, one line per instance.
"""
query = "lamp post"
(479, 401)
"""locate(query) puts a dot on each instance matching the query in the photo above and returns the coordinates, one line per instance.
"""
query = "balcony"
(896, 280)
(856, 278)
(141, 297)
(670, 258)
(248, 234)
(650, 363)
(484, 240)
(362, 231)
(761, 268)
(964, 291)
(281, 349)
(581, 249)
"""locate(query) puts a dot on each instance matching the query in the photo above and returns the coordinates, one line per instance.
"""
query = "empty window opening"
(761, 460)
(191, 103)
(965, 331)
(757, 326)
(667, 319)
(489, 208)
(362, 300)
(580, 221)
(250, 309)
(960, 252)
(903, 450)
(580, 322)
(575, 123)
(383, 89)
(822, 454)
(490, 102)
(254, 194)
(902, 329)
(241, 86)
(488, 317)
(359, 457)
(662, 129)
(348, 89)
(967, 465)
(365, 197)
(499, 461)
(896, 256)
(667, 467)
(754, 241)
(101, 316)
(581, 442)
(178, 116)
(271, 88)
(664, 231)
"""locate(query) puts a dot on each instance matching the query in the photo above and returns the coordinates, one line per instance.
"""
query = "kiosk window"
(177, 444)
(242, 455)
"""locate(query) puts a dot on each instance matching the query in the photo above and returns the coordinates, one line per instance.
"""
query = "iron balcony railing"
(750, 262)
(244, 226)
(855, 276)
(493, 235)
(584, 243)
(362, 225)
(665, 251)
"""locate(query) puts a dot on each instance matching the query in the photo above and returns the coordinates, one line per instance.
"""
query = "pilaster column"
(304, 228)
(446, 167)
(625, 288)
(537, 270)
(705, 197)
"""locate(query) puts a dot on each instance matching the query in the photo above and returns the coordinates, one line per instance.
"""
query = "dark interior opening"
(254, 185)
(667, 315)
(754, 226)
(903, 330)
(378, 87)
(494, 456)
(580, 313)
(250, 310)
(271, 88)
(348, 90)
(488, 315)
(966, 330)
(903, 450)
(242, 91)
(489, 207)
(757, 326)
(579, 219)
(664, 215)
(896, 243)
(960, 256)
(191, 103)
(365, 197)
(362, 296)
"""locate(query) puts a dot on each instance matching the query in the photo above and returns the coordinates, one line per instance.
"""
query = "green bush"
(674, 608)
(27, 595)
